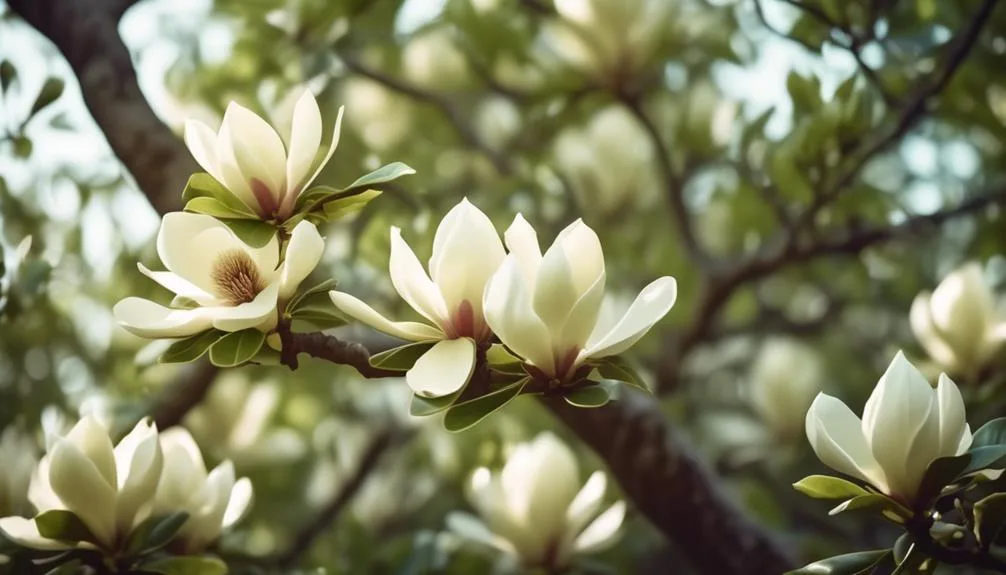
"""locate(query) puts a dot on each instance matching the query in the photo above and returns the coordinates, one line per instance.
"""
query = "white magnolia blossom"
(607, 37)
(214, 501)
(249, 158)
(108, 488)
(466, 251)
(958, 324)
(784, 380)
(546, 308)
(536, 509)
(433, 59)
(382, 118)
(906, 425)
(18, 455)
(610, 162)
(234, 286)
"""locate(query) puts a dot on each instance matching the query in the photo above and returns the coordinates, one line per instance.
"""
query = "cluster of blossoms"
(91, 495)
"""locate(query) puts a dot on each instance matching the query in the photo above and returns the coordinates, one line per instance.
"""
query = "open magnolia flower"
(536, 510)
(466, 251)
(906, 425)
(546, 308)
(106, 488)
(214, 501)
(957, 323)
(248, 157)
(233, 286)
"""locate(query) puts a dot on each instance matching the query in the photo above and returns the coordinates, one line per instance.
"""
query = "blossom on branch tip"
(906, 425)
(546, 308)
(229, 285)
(536, 509)
(466, 251)
(248, 156)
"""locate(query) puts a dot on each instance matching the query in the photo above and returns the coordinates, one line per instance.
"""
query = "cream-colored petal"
(258, 149)
(952, 417)
(522, 242)
(331, 149)
(925, 331)
(40, 493)
(836, 435)
(602, 532)
(583, 249)
(586, 503)
(302, 255)
(582, 318)
(202, 143)
(183, 473)
(649, 307)
(147, 319)
(138, 461)
(540, 480)
(179, 285)
(555, 292)
(92, 440)
(507, 307)
(444, 369)
(24, 532)
(407, 330)
(255, 313)
(239, 503)
(305, 139)
(83, 489)
(189, 244)
(412, 283)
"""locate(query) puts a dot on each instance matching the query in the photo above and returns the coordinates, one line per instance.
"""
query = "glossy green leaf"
(346, 206)
(62, 525)
(186, 566)
(217, 209)
(191, 348)
(425, 406)
(236, 348)
(322, 288)
(203, 185)
(462, 416)
(828, 487)
(384, 174)
(51, 90)
(587, 396)
(888, 507)
(992, 433)
(985, 457)
(255, 233)
(860, 563)
(401, 358)
(942, 472)
(320, 317)
(990, 518)
(619, 368)
(155, 533)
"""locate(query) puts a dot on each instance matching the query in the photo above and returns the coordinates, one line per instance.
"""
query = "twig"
(330, 348)
(303, 540)
(442, 103)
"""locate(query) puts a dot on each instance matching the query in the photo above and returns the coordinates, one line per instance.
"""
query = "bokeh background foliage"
(803, 168)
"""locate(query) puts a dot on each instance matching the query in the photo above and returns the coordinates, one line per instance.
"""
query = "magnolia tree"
(508, 396)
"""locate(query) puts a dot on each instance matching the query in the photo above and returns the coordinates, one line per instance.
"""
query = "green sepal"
(828, 487)
(217, 209)
(860, 563)
(236, 348)
(618, 368)
(464, 415)
(63, 525)
(590, 395)
(887, 507)
(254, 233)
(154, 533)
(401, 358)
(192, 347)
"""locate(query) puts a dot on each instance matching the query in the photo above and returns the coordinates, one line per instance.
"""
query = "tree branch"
(85, 31)
(185, 393)
(672, 488)
(332, 349)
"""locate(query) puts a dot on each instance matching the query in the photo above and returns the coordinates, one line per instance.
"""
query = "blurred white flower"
(498, 120)
(233, 285)
(546, 308)
(535, 508)
(466, 251)
(958, 324)
(431, 59)
(108, 488)
(214, 501)
(248, 156)
(18, 456)
(609, 162)
(906, 425)
(381, 117)
(235, 422)
(784, 380)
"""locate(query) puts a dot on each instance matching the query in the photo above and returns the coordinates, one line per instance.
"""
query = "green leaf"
(828, 487)
(186, 566)
(255, 233)
(381, 175)
(401, 358)
(8, 73)
(860, 563)
(619, 368)
(191, 348)
(217, 209)
(805, 92)
(72, 567)
(236, 348)
(985, 457)
(154, 533)
(587, 396)
(320, 317)
(425, 406)
(51, 90)
(461, 416)
(888, 507)
(203, 185)
(941, 472)
(990, 518)
(992, 433)
(62, 525)
(22, 146)
(346, 206)
(322, 288)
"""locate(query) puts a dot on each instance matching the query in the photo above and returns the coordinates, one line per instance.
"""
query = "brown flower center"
(237, 277)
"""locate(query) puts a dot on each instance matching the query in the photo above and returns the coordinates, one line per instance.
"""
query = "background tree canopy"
(803, 168)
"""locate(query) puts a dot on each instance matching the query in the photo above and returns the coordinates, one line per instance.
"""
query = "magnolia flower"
(957, 323)
(466, 251)
(536, 510)
(233, 285)
(214, 500)
(906, 425)
(248, 157)
(784, 380)
(545, 308)
(107, 488)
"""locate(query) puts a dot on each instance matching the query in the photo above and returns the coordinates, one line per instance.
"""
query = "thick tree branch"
(85, 31)
(672, 488)
(185, 393)
(332, 349)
